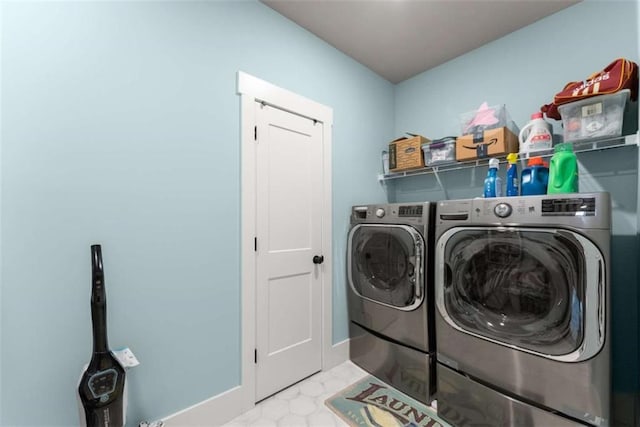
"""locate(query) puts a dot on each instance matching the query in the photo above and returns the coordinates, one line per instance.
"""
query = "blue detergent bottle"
(535, 177)
(493, 183)
(512, 175)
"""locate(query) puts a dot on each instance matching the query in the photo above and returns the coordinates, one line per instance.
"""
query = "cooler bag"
(620, 74)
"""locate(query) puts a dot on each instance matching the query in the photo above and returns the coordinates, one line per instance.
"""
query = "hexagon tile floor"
(302, 404)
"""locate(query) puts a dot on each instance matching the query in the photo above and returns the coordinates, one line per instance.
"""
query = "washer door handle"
(418, 268)
(601, 302)
(318, 259)
(448, 273)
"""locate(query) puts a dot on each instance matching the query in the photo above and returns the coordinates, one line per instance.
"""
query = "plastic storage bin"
(484, 118)
(596, 117)
(440, 151)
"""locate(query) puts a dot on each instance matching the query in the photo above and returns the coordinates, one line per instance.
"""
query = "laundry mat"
(370, 402)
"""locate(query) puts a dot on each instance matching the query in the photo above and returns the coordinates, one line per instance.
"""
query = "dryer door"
(536, 290)
(385, 264)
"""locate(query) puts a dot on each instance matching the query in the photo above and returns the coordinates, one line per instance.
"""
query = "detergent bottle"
(493, 183)
(535, 177)
(563, 171)
(535, 135)
(512, 175)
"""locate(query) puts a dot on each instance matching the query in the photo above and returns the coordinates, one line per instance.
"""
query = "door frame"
(253, 90)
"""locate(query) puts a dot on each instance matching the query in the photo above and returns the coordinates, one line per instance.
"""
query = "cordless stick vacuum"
(101, 390)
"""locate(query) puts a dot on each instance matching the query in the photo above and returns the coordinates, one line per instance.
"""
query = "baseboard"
(225, 406)
(214, 411)
(339, 353)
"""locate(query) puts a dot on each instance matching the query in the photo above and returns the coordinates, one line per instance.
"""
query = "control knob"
(502, 210)
(380, 212)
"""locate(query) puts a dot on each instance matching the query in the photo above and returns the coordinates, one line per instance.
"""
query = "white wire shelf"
(578, 147)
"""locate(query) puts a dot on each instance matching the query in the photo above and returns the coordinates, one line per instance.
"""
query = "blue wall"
(120, 126)
(524, 70)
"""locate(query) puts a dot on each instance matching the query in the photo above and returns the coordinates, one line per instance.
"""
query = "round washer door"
(386, 264)
(536, 290)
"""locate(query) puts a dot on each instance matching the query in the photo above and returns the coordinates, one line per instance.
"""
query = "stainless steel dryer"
(390, 297)
(522, 319)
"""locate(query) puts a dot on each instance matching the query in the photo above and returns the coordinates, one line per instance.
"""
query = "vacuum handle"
(96, 262)
(98, 302)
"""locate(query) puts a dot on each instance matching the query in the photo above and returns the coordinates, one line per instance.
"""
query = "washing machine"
(522, 318)
(390, 295)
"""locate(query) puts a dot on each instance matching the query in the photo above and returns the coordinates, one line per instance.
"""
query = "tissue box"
(405, 153)
(494, 142)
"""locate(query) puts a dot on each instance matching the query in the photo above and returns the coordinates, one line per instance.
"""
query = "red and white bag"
(620, 74)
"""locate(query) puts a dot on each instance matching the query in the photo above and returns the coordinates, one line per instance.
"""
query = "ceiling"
(398, 39)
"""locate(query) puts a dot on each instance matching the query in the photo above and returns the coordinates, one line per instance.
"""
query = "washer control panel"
(571, 206)
(513, 210)
(528, 208)
(581, 210)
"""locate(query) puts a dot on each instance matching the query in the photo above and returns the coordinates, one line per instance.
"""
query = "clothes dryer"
(522, 318)
(390, 296)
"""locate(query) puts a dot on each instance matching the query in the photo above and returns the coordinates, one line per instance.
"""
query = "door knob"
(318, 259)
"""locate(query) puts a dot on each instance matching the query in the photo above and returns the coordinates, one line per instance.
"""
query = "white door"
(289, 229)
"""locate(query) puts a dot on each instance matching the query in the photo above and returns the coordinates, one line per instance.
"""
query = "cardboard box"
(492, 143)
(406, 153)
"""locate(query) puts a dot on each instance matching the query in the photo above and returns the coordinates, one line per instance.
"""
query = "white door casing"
(254, 93)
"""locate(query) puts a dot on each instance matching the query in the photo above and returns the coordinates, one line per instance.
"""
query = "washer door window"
(537, 290)
(385, 264)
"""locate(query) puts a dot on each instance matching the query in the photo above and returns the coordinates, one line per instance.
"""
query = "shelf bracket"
(444, 189)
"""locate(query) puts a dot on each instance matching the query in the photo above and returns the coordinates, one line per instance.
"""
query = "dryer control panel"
(416, 214)
(410, 211)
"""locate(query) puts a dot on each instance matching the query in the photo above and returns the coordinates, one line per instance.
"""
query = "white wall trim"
(214, 411)
(339, 353)
(248, 255)
(285, 100)
(226, 406)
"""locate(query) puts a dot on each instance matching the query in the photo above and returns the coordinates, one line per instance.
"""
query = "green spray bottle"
(563, 170)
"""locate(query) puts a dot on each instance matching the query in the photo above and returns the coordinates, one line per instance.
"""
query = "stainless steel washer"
(522, 319)
(390, 295)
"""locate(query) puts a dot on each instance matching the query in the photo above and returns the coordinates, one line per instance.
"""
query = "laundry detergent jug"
(563, 171)
(535, 135)
(535, 177)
